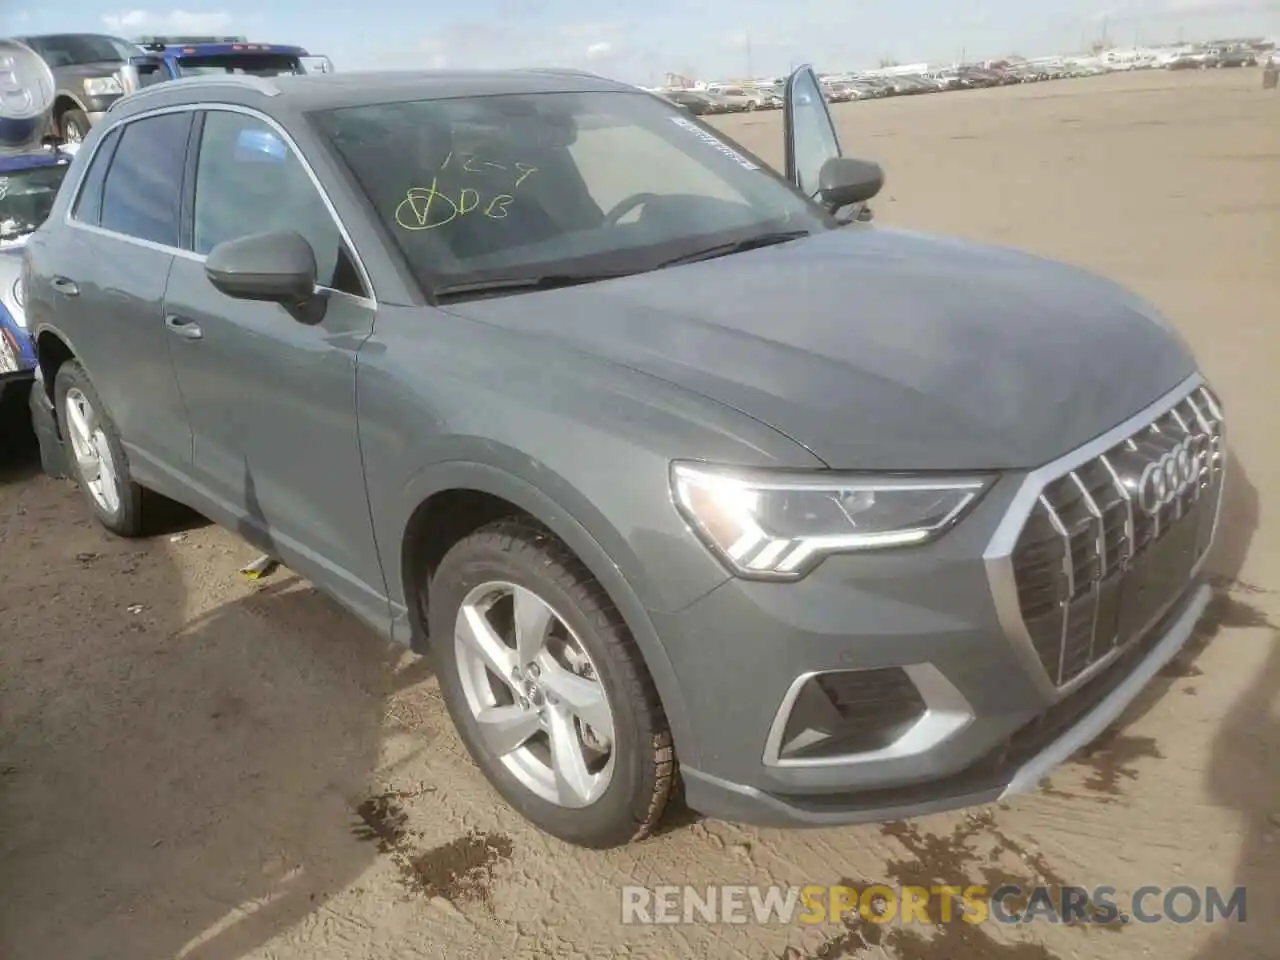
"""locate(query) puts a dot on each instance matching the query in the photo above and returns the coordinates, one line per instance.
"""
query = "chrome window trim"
(998, 556)
(946, 713)
(71, 221)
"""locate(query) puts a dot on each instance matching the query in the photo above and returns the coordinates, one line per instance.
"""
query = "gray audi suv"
(686, 477)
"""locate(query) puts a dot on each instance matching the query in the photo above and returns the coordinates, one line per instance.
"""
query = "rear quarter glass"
(260, 146)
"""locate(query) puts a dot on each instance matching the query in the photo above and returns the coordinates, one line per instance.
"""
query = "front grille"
(1103, 552)
(849, 712)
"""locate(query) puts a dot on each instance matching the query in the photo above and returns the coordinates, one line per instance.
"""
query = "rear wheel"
(95, 453)
(547, 688)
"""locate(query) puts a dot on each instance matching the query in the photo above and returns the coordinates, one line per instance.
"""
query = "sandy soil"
(194, 765)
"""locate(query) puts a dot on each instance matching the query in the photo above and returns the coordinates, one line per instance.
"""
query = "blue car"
(28, 184)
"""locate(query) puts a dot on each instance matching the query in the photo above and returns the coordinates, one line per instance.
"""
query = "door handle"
(183, 327)
(65, 287)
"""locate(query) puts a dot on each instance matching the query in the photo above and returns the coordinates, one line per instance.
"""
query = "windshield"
(26, 197)
(72, 49)
(256, 64)
(530, 185)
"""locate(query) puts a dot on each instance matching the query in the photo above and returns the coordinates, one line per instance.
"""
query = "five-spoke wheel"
(547, 687)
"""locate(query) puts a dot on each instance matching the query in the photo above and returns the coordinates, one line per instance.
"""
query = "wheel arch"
(455, 498)
(63, 102)
(52, 351)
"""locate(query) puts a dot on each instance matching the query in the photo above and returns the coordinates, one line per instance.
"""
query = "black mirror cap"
(278, 267)
(846, 180)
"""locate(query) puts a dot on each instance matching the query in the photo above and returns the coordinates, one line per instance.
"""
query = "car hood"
(881, 349)
(87, 71)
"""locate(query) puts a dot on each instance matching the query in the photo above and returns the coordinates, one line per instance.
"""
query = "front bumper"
(1015, 765)
(991, 719)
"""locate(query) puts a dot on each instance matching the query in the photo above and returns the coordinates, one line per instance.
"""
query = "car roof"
(321, 91)
(227, 49)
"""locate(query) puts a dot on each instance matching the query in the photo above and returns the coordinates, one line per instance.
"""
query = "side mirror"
(847, 180)
(276, 267)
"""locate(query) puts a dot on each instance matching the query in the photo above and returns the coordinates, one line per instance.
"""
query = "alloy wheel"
(94, 462)
(535, 694)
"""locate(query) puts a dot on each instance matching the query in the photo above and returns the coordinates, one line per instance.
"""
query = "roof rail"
(564, 72)
(262, 85)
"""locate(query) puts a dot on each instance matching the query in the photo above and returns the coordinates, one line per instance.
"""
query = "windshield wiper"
(737, 246)
(497, 285)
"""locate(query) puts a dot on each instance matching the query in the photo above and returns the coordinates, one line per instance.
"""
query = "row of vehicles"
(895, 82)
(53, 89)
(1206, 58)
(721, 99)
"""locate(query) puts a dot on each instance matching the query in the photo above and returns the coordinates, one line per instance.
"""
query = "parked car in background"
(32, 168)
(168, 58)
(911, 85)
(736, 99)
(1239, 56)
(89, 74)
(695, 101)
(770, 98)
(980, 77)
(872, 87)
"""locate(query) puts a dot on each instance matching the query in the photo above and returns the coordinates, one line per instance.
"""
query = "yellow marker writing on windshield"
(428, 208)
(497, 208)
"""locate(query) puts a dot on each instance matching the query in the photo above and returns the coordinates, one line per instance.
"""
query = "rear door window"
(142, 197)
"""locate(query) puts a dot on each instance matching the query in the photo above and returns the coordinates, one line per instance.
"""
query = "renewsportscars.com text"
(972, 903)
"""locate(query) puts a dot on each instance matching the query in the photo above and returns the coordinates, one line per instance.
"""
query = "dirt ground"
(194, 765)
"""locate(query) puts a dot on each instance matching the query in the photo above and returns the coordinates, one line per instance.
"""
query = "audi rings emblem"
(1164, 480)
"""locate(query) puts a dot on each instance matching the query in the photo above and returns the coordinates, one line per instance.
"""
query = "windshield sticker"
(426, 208)
(715, 143)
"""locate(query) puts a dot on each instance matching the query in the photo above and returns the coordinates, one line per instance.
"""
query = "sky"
(642, 41)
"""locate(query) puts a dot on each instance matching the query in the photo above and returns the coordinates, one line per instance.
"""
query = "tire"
(641, 766)
(119, 506)
(74, 125)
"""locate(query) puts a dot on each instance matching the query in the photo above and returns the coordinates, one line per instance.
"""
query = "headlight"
(102, 86)
(778, 525)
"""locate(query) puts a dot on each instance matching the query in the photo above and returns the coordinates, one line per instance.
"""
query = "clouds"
(509, 44)
(1211, 7)
(136, 22)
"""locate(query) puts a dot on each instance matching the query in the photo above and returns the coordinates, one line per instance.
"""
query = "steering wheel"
(626, 205)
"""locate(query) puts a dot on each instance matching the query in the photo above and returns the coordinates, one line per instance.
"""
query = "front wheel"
(547, 688)
(95, 453)
(75, 125)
